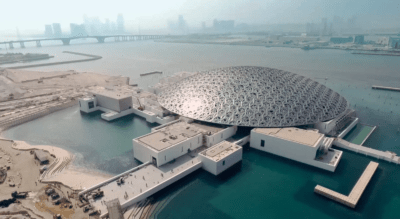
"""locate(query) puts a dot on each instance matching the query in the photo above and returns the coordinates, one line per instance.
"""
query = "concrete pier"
(385, 88)
(352, 199)
(142, 182)
(384, 155)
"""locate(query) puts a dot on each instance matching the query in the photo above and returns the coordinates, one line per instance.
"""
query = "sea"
(261, 185)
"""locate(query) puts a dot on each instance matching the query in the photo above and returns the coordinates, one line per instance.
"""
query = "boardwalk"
(352, 199)
(384, 155)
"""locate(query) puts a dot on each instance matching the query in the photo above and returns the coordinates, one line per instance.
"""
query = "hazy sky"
(29, 15)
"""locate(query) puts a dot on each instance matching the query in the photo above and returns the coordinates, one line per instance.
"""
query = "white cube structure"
(88, 104)
(306, 146)
(172, 140)
(113, 100)
(168, 143)
(220, 157)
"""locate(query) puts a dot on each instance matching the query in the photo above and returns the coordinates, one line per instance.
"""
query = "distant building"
(78, 30)
(48, 31)
(203, 26)
(339, 40)
(57, 29)
(383, 41)
(224, 25)
(324, 24)
(120, 23)
(394, 42)
(312, 29)
(359, 39)
(298, 39)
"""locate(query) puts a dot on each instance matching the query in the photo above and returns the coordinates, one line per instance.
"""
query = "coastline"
(22, 170)
(62, 169)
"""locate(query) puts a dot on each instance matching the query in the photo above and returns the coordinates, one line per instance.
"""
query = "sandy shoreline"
(25, 96)
(62, 169)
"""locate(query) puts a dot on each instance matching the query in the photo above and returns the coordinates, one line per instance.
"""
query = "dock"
(384, 155)
(385, 88)
(352, 199)
(151, 73)
(141, 182)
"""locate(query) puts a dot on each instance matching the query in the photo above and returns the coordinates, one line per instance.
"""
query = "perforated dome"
(253, 97)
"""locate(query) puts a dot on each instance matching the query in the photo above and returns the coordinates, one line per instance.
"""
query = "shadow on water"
(188, 191)
(379, 193)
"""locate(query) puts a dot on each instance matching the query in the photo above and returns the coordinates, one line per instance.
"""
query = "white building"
(394, 42)
(335, 127)
(116, 103)
(175, 139)
(306, 146)
(220, 157)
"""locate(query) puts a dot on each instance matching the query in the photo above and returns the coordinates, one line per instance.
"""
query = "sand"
(26, 95)
(61, 169)
(24, 173)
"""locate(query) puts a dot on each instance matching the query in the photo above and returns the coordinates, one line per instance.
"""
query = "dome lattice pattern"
(254, 97)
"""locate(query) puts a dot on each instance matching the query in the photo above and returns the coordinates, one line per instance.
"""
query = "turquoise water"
(263, 185)
(98, 144)
(358, 134)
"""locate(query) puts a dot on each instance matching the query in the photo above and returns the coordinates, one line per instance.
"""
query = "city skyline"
(155, 15)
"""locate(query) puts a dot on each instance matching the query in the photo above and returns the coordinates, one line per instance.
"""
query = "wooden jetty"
(385, 88)
(352, 199)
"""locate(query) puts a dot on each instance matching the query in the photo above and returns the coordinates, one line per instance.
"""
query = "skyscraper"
(324, 26)
(48, 30)
(78, 30)
(57, 29)
(120, 23)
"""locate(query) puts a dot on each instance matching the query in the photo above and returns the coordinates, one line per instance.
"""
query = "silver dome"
(254, 97)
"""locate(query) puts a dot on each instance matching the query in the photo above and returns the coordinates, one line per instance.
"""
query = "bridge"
(67, 40)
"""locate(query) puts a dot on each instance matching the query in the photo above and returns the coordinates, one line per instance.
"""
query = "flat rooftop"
(170, 135)
(213, 128)
(144, 180)
(301, 136)
(115, 94)
(220, 150)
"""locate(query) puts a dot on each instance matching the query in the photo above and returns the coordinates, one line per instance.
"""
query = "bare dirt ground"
(23, 175)
(26, 95)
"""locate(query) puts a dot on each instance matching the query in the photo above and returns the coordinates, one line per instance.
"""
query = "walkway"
(384, 155)
(355, 194)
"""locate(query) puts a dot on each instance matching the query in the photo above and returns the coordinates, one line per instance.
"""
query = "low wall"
(113, 178)
(36, 114)
(349, 128)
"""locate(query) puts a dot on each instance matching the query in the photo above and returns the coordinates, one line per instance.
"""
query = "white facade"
(305, 146)
(160, 157)
(332, 127)
(168, 143)
(88, 104)
(220, 157)
(114, 100)
(220, 136)
(175, 139)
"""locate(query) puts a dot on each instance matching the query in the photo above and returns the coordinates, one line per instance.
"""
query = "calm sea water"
(263, 185)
